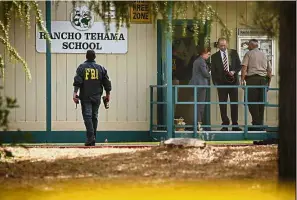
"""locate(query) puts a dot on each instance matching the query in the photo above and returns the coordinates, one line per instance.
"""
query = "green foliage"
(25, 10)
(159, 9)
(265, 17)
(6, 105)
(22, 11)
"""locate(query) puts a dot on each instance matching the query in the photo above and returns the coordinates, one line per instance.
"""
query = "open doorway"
(184, 53)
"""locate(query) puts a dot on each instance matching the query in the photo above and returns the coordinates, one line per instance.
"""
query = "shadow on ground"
(252, 162)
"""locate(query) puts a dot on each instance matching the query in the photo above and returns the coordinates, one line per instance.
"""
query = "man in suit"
(225, 65)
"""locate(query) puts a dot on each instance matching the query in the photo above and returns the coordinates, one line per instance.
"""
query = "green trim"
(169, 78)
(48, 71)
(72, 136)
(33, 137)
(217, 136)
(234, 142)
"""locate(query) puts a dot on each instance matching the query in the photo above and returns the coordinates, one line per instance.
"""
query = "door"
(184, 53)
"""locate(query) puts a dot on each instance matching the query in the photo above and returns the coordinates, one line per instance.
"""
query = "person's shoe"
(266, 142)
(92, 143)
(259, 129)
(236, 129)
(255, 129)
(224, 129)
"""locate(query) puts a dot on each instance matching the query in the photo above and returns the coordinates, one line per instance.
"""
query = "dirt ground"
(38, 164)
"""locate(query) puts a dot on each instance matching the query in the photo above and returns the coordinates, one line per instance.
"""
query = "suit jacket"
(217, 67)
(200, 74)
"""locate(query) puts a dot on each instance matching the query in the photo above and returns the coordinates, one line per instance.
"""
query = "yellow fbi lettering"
(91, 73)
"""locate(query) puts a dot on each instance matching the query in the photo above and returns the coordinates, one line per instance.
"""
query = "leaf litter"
(156, 163)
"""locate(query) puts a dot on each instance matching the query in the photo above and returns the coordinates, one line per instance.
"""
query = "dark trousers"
(256, 95)
(90, 116)
(223, 94)
(201, 97)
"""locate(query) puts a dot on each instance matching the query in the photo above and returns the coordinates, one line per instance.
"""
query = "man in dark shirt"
(177, 66)
(90, 79)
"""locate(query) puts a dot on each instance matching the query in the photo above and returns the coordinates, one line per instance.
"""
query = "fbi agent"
(90, 79)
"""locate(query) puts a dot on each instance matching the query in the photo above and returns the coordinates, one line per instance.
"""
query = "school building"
(136, 58)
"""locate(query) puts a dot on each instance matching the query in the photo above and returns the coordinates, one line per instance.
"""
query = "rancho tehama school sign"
(81, 34)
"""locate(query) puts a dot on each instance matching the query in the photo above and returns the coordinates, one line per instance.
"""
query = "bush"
(6, 105)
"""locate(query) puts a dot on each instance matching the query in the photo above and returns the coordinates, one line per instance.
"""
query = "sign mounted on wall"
(139, 13)
(82, 18)
(81, 33)
(266, 44)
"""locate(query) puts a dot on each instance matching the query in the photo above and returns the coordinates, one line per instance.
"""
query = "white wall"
(131, 74)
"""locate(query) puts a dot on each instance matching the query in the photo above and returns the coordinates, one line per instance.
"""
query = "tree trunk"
(287, 92)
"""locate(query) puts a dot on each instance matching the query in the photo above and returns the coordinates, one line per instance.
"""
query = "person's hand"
(243, 83)
(107, 97)
(231, 73)
(75, 98)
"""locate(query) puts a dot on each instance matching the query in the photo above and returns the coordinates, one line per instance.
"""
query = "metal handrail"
(195, 103)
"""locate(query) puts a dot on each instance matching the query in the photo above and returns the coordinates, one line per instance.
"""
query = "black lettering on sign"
(98, 47)
(42, 35)
(80, 45)
(92, 45)
(140, 15)
(77, 36)
(85, 45)
(93, 36)
(91, 73)
(87, 35)
(71, 45)
(141, 7)
(65, 46)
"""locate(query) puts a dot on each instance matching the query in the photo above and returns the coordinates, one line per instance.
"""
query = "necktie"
(225, 62)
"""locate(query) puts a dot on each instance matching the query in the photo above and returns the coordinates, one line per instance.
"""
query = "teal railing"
(245, 103)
